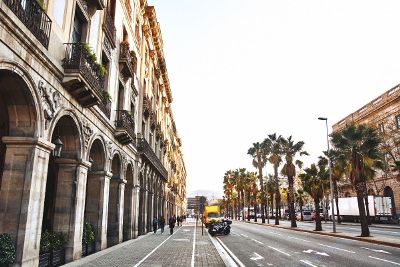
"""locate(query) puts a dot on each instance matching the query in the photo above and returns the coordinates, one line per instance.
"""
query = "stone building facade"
(383, 113)
(87, 130)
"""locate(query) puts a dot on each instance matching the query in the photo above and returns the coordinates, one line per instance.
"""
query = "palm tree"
(250, 181)
(313, 178)
(357, 146)
(300, 196)
(274, 145)
(290, 149)
(259, 155)
(228, 192)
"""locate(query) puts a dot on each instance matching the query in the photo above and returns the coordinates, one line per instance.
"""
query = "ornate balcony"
(82, 75)
(153, 120)
(147, 152)
(125, 124)
(105, 107)
(146, 107)
(35, 19)
(125, 60)
(109, 29)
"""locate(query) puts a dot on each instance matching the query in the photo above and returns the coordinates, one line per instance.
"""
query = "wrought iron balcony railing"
(105, 106)
(145, 149)
(35, 19)
(109, 29)
(125, 127)
(125, 59)
(82, 75)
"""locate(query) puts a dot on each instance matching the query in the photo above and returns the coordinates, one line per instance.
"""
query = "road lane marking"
(308, 263)
(337, 248)
(233, 256)
(279, 251)
(151, 252)
(377, 250)
(275, 233)
(194, 246)
(316, 252)
(256, 257)
(307, 241)
(244, 235)
(395, 263)
(261, 243)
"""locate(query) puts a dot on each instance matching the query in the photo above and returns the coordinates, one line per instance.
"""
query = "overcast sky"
(241, 69)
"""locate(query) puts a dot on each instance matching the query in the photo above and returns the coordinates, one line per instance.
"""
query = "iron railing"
(126, 121)
(126, 59)
(145, 149)
(109, 28)
(78, 59)
(105, 107)
(33, 17)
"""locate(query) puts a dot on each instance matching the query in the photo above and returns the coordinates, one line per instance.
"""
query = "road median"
(370, 239)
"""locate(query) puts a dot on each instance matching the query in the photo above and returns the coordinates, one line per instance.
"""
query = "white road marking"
(316, 252)
(308, 263)
(244, 235)
(275, 233)
(337, 248)
(395, 263)
(256, 257)
(184, 240)
(194, 246)
(377, 250)
(307, 241)
(230, 253)
(151, 252)
(261, 243)
(279, 251)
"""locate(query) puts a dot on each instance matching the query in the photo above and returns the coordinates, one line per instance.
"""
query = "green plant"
(88, 235)
(107, 95)
(41, 5)
(52, 241)
(102, 71)
(90, 52)
(45, 241)
(7, 250)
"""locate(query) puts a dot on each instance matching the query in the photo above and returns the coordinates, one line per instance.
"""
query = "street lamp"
(330, 175)
(58, 147)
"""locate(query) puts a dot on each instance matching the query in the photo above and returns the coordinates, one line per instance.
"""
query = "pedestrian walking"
(155, 224)
(178, 220)
(171, 223)
(162, 224)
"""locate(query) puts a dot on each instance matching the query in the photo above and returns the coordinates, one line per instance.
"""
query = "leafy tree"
(290, 149)
(358, 151)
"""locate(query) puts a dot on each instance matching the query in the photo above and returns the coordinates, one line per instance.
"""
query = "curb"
(371, 226)
(363, 239)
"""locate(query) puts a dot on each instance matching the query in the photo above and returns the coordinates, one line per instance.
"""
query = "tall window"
(77, 29)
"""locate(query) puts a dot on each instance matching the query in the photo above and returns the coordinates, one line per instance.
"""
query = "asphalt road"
(354, 230)
(257, 245)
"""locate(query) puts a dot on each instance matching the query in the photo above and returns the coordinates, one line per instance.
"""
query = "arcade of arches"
(90, 181)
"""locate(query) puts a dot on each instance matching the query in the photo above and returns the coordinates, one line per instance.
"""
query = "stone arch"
(388, 192)
(113, 224)
(96, 181)
(70, 133)
(128, 203)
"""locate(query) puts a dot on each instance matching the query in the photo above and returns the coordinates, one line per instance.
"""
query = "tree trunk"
(255, 209)
(248, 206)
(271, 207)
(363, 218)
(367, 209)
(335, 193)
(291, 202)
(260, 177)
(318, 225)
(243, 219)
(301, 209)
(277, 201)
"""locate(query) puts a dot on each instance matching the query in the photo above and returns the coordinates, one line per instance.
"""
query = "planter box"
(53, 258)
(88, 249)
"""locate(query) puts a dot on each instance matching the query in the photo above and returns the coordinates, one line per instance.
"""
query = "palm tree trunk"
(291, 202)
(367, 209)
(301, 209)
(363, 218)
(255, 209)
(262, 192)
(271, 207)
(318, 225)
(335, 193)
(277, 210)
(248, 206)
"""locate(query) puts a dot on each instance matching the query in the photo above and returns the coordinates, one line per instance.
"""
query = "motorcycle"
(222, 227)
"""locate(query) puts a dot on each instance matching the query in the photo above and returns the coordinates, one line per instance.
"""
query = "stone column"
(96, 211)
(145, 211)
(136, 195)
(70, 204)
(22, 194)
(121, 192)
(129, 211)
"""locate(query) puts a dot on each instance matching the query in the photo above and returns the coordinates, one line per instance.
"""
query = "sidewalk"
(393, 242)
(159, 250)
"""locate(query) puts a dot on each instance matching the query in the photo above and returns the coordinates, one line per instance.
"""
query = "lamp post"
(330, 175)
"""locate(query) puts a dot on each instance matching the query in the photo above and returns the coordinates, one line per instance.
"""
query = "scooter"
(220, 227)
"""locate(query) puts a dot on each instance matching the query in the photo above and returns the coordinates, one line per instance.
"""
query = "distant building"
(384, 114)
(193, 203)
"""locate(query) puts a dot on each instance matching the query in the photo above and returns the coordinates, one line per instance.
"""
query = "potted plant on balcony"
(7, 250)
(88, 239)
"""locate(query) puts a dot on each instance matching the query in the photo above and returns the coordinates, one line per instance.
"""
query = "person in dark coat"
(171, 223)
(155, 224)
(162, 224)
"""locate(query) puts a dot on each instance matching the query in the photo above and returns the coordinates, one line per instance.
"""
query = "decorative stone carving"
(109, 147)
(87, 132)
(51, 102)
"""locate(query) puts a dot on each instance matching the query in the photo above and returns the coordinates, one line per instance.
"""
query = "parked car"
(306, 215)
(321, 215)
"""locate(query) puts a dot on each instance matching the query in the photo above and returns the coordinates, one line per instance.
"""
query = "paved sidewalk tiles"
(175, 250)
